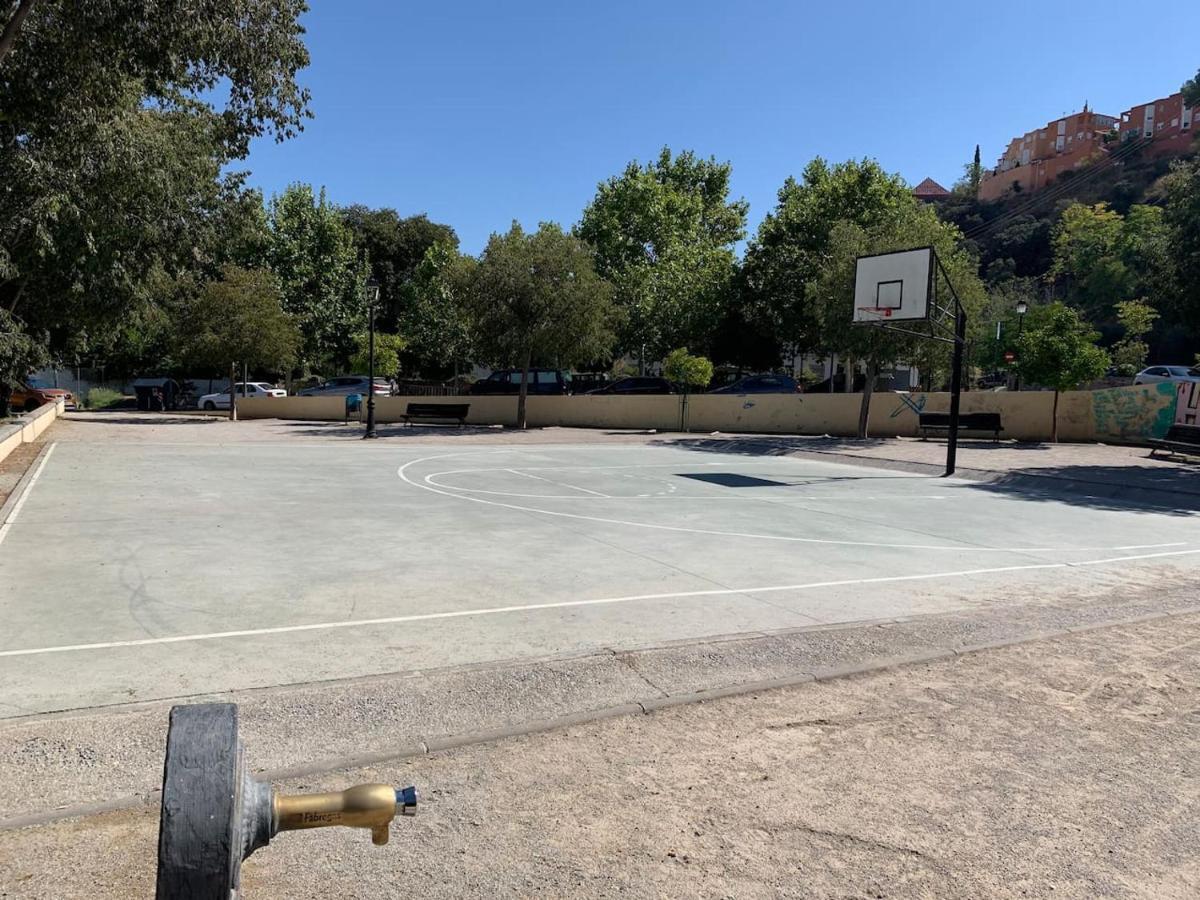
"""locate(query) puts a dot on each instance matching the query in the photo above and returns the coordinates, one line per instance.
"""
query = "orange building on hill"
(1168, 121)
(1035, 159)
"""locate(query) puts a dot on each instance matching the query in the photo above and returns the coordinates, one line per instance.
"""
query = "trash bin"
(353, 405)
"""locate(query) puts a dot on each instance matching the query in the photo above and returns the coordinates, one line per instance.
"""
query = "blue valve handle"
(406, 801)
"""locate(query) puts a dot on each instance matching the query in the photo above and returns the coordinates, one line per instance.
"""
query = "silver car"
(345, 385)
(1155, 374)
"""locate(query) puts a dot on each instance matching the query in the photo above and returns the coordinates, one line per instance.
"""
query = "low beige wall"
(30, 427)
(1118, 415)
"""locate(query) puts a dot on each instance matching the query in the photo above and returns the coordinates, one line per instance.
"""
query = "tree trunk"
(524, 391)
(233, 392)
(1054, 419)
(864, 409)
(848, 365)
(9, 35)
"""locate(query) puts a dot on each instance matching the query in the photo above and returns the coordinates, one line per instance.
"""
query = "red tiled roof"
(930, 188)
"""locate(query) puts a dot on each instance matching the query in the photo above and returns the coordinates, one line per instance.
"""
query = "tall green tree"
(236, 320)
(320, 274)
(1104, 257)
(539, 300)
(439, 314)
(786, 257)
(1136, 318)
(664, 235)
(118, 118)
(1182, 219)
(1058, 350)
(395, 247)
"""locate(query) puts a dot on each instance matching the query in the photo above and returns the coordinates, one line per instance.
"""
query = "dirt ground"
(1065, 768)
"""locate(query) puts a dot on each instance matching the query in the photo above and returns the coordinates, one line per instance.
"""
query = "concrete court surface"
(139, 569)
(1062, 768)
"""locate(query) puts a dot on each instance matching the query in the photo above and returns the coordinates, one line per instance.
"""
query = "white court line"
(12, 516)
(432, 487)
(565, 484)
(568, 604)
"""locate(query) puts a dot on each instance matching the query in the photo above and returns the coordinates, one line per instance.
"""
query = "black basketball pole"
(960, 340)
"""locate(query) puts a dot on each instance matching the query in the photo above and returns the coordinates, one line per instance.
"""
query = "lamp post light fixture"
(1022, 308)
(371, 294)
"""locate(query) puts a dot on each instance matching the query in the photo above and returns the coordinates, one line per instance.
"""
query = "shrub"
(101, 398)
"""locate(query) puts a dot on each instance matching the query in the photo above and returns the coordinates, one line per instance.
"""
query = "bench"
(1179, 439)
(444, 411)
(939, 423)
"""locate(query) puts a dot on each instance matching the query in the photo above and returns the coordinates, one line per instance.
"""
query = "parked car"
(220, 400)
(1155, 374)
(761, 384)
(344, 385)
(638, 384)
(508, 381)
(34, 394)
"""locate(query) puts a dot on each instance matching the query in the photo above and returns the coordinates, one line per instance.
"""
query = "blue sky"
(479, 113)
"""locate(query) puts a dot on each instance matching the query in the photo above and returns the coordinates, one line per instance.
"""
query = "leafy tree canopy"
(664, 235)
(321, 277)
(691, 371)
(539, 300)
(438, 315)
(236, 318)
(793, 242)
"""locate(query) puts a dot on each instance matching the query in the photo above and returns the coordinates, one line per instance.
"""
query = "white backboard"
(893, 287)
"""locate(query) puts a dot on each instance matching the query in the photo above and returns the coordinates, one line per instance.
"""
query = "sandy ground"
(1065, 768)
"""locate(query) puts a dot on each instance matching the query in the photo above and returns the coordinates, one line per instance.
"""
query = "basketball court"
(143, 570)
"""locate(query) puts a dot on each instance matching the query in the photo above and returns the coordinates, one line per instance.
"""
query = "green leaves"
(664, 236)
(1058, 350)
(537, 297)
(238, 317)
(691, 371)
(321, 277)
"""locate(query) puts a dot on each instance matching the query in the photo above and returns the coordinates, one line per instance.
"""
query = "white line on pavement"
(567, 604)
(12, 516)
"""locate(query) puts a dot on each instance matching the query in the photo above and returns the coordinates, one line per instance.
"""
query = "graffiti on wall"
(1187, 404)
(1134, 414)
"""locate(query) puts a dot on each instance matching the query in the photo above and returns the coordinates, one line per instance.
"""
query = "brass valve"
(370, 806)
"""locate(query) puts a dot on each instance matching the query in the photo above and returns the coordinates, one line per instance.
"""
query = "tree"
(1137, 319)
(1191, 91)
(1059, 351)
(118, 118)
(20, 354)
(320, 274)
(538, 300)
(1182, 221)
(237, 318)
(1105, 257)
(395, 247)
(438, 316)
(792, 244)
(664, 235)
(387, 353)
(687, 370)
(968, 186)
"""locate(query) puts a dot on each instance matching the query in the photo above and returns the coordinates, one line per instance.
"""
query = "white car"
(220, 400)
(1155, 374)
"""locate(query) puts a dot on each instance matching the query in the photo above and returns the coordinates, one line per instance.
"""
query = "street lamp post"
(371, 292)
(1022, 308)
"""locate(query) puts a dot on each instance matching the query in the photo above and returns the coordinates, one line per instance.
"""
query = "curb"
(19, 488)
(640, 707)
